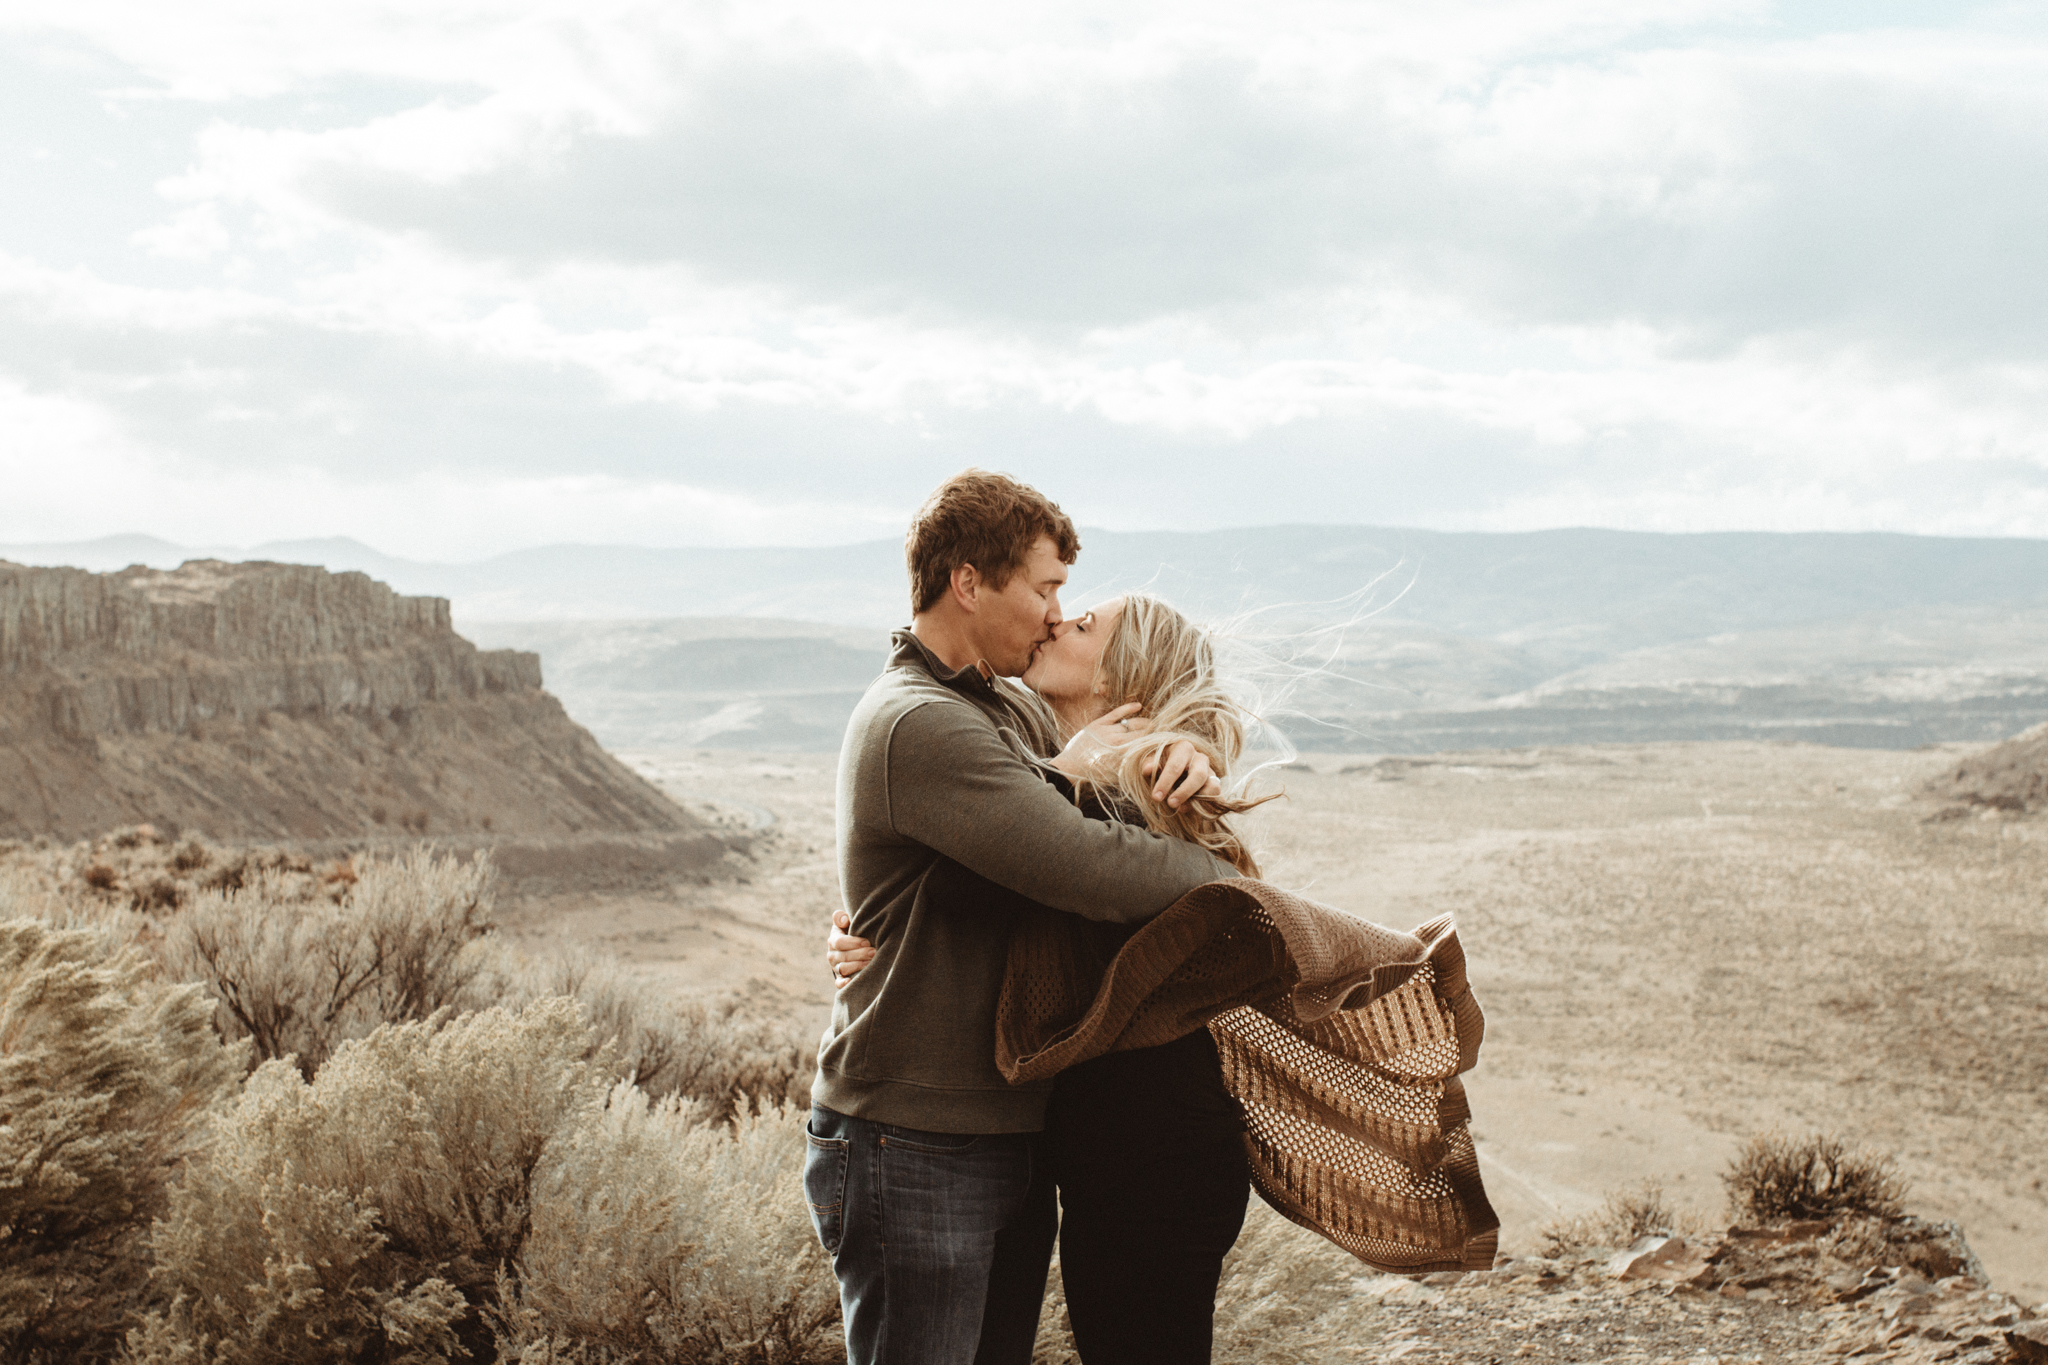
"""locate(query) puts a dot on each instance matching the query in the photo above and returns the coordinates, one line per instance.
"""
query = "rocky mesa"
(274, 701)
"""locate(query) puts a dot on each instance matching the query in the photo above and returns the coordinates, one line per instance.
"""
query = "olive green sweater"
(951, 823)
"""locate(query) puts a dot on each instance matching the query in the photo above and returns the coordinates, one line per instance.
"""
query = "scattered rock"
(1784, 1293)
(1658, 1258)
(2028, 1340)
(1911, 1306)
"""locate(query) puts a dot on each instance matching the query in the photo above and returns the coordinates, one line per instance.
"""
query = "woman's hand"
(1179, 774)
(1092, 751)
(845, 954)
(1184, 771)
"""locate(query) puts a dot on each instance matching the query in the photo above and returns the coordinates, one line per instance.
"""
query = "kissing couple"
(1066, 1006)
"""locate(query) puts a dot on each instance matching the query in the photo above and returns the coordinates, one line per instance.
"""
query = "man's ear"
(966, 587)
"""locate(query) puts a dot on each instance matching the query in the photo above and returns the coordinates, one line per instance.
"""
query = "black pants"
(1148, 1149)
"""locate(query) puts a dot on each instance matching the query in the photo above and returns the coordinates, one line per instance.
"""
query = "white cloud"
(503, 273)
(72, 475)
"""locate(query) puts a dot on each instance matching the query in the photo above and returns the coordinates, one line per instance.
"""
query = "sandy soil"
(762, 927)
(1677, 946)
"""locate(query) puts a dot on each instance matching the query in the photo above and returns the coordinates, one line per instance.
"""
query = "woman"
(1147, 1145)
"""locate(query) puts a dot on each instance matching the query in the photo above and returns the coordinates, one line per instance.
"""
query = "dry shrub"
(1639, 1210)
(280, 868)
(720, 1053)
(483, 1186)
(299, 976)
(365, 1215)
(621, 1011)
(414, 1189)
(106, 1074)
(157, 895)
(141, 869)
(658, 1238)
(734, 1060)
(1775, 1179)
(28, 890)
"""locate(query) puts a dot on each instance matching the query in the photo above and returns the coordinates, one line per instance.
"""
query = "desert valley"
(1680, 943)
(1677, 946)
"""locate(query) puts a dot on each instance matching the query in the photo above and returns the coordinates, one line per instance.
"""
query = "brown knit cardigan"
(1342, 1042)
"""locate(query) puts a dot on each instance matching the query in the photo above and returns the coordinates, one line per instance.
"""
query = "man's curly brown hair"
(988, 520)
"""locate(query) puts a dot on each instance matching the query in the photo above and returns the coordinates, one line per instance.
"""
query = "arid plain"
(1677, 946)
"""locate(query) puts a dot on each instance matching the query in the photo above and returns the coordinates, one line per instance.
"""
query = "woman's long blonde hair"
(1167, 664)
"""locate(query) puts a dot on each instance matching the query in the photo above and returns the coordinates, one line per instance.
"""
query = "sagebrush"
(444, 1188)
(659, 1238)
(298, 975)
(1639, 1210)
(722, 1053)
(141, 869)
(1777, 1178)
(107, 1074)
(414, 1170)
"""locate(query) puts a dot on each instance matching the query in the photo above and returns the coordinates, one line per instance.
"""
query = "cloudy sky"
(459, 276)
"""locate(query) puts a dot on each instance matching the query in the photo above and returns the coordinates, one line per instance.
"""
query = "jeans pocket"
(825, 1186)
(935, 1144)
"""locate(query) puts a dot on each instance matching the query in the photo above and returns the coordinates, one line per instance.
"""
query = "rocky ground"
(1794, 1293)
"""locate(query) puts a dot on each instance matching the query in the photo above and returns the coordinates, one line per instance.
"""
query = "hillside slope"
(271, 701)
(2010, 776)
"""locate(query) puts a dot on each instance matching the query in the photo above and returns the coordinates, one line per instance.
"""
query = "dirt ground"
(757, 926)
(1677, 946)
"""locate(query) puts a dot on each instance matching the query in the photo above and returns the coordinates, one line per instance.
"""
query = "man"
(919, 1170)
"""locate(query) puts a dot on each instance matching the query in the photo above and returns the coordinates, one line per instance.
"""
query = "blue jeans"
(940, 1240)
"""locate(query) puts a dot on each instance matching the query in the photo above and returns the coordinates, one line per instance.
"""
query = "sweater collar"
(1008, 699)
(908, 649)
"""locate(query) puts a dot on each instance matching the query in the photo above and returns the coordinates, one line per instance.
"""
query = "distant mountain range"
(1448, 639)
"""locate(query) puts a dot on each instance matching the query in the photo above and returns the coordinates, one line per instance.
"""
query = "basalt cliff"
(282, 701)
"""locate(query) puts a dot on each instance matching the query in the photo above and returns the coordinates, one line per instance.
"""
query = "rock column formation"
(279, 700)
